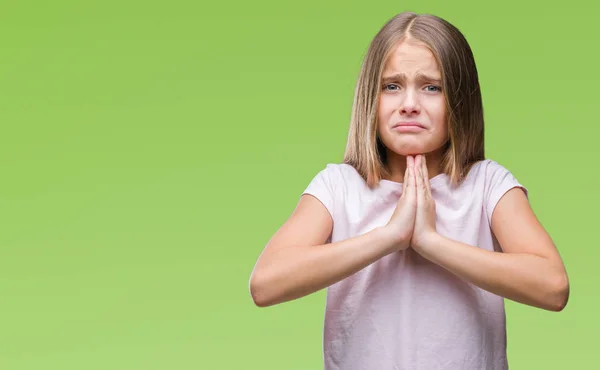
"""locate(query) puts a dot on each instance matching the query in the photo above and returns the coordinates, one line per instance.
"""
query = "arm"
(297, 262)
(530, 271)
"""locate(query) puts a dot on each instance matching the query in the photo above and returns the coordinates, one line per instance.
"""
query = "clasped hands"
(413, 222)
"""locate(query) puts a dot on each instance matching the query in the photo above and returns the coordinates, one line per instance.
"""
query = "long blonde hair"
(460, 83)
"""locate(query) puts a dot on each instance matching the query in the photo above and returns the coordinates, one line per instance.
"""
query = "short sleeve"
(498, 181)
(322, 188)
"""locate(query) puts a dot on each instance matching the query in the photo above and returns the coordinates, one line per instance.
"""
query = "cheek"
(385, 108)
(384, 112)
(438, 115)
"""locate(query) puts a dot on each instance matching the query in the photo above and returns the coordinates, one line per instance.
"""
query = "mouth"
(408, 127)
(408, 124)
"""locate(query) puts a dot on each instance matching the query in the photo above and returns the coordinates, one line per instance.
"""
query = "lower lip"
(408, 128)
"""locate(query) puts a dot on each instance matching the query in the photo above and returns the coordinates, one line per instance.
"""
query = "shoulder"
(486, 168)
(337, 179)
(495, 181)
(342, 169)
(331, 183)
(339, 174)
(489, 173)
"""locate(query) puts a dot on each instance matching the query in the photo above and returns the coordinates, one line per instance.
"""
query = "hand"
(424, 228)
(401, 224)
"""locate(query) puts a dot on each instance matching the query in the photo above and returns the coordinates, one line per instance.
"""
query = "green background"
(150, 149)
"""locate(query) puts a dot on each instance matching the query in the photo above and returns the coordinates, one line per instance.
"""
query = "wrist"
(428, 243)
(390, 240)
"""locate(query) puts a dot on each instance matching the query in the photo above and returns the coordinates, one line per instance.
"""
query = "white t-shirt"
(404, 312)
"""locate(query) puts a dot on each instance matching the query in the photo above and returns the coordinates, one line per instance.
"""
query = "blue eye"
(435, 88)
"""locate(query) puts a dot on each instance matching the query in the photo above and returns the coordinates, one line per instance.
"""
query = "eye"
(385, 86)
(435, 88)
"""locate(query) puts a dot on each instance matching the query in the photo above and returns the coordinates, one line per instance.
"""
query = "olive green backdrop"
(150, 149)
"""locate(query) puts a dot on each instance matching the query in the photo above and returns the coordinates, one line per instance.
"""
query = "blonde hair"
(460, 83)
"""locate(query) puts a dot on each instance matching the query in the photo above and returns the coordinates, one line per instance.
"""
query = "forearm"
(296, 271)
(524, 278)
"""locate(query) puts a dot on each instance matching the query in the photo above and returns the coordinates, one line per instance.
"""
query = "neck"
(396, 164)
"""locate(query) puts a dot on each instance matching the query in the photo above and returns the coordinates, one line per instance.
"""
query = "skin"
(297, 261)
(411, 92)
(530, 270)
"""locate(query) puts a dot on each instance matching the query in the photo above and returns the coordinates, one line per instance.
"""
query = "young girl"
(416, 235)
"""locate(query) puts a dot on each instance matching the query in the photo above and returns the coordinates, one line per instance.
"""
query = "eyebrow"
(402, 77)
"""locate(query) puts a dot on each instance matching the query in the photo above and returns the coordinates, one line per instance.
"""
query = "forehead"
(411, 57)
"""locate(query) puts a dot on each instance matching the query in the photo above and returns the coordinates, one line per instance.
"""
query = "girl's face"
(412, 110)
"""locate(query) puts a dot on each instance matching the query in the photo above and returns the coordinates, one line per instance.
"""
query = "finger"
(406, 175)
(426, 175)
(409, 179)
(424, 168)
(419, 181)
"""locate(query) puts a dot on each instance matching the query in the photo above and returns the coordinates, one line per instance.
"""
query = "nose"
(409, 104)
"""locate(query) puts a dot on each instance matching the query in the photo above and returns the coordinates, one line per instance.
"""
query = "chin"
(414, 148)
(410, 151)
